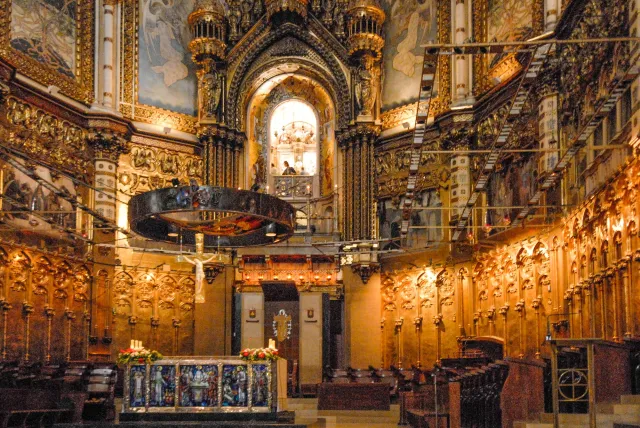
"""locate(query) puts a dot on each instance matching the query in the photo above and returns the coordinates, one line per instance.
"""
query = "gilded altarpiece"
(51, 42)
(581, 274)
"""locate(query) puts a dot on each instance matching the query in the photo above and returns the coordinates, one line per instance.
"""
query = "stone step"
(620, 409)
(630, 399)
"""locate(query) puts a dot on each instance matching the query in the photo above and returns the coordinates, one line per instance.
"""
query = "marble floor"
(307, 413)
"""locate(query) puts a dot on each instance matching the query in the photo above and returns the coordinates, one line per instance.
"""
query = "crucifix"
(199, 261)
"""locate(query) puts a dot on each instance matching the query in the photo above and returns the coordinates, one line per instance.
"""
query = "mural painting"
(45, 30)
(509, 20)
(166, 75)
(513, 186)
(408, 25)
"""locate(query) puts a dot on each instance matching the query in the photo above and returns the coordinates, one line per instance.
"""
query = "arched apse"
(287, 50)
(264, 102)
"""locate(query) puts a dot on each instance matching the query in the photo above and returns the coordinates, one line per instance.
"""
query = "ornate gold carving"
(47, 138)
(80, 88)
(148, 168)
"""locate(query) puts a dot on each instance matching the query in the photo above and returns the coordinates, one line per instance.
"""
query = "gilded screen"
(408, 25)
(166, 74)
(45, 30)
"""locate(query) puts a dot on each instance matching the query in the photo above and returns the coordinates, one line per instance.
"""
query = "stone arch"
(330, 54)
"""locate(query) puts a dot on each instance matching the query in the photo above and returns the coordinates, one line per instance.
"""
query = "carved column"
(221, 155)
(27, 310)
(551, 12)
(460, 164)
(108, 53)
(69, 317)
(49, 314)
(108, 142)
(548, 122)
(461, 30)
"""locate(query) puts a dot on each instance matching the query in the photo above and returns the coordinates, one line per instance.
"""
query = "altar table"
(201, 385)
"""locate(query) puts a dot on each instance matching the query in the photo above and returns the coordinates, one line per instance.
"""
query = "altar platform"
(209, 390)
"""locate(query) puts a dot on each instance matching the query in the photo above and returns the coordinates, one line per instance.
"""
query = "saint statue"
(366, 90)
(210, 91)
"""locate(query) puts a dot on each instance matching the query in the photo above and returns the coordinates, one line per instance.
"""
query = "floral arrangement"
(138, 356)
(259, 354)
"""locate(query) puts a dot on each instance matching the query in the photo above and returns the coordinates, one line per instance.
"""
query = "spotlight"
(271, 230)
(173, 232)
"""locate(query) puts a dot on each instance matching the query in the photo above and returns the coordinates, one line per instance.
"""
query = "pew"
(21, 407)
(101, 389)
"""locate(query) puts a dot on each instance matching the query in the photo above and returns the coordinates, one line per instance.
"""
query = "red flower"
(275, 352)
(261, 355)
(245, 353)
(141, 360)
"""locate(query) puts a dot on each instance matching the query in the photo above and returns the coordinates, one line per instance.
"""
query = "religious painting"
(234, 385)
(513, 186)
(166, 74)
(198, 386)
(45, 30)
(51, 41)
(137, 386)
(260, 386)
(163, 386)
(409, 24)
(427, 217)
(503, 21)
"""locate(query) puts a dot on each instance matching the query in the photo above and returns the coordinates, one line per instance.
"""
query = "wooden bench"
(353, 396)
(101, 388)
(31, 407)
(31, 418)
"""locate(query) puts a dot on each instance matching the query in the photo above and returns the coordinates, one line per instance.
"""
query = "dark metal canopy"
(227, 217)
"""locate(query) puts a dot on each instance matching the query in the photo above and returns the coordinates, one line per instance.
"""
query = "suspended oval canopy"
(227, 217)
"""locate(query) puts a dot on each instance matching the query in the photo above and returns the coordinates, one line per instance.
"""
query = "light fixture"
(173, 231)
(271, 230)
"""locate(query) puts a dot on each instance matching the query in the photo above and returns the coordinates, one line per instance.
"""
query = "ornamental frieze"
(149, 168)
(47, 138)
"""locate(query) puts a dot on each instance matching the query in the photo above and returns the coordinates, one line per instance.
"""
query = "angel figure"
(199, 264)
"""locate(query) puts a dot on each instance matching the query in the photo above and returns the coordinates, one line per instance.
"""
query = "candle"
(132, 344)
(272, 344)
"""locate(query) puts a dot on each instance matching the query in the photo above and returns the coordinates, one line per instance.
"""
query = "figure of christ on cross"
(199, 264)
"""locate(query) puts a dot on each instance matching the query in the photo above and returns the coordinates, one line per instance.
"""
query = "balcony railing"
(293, 186)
